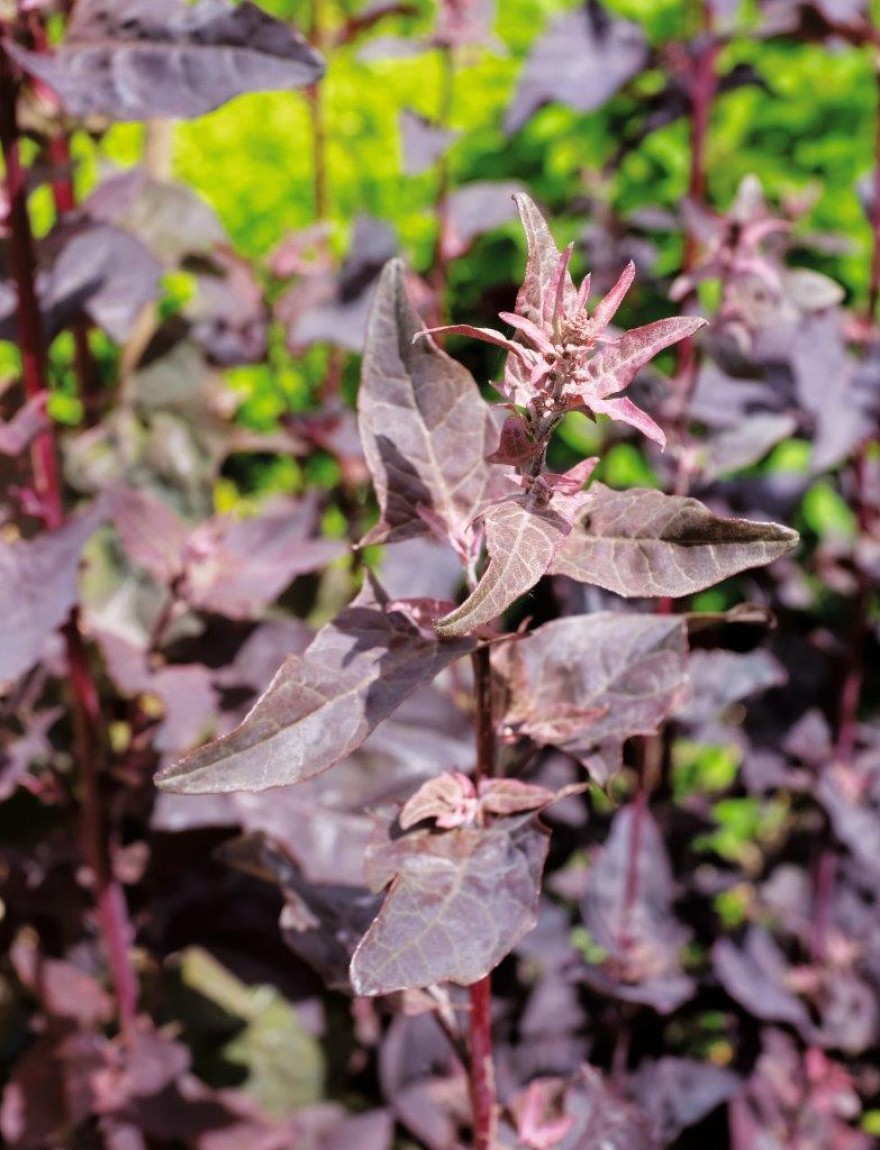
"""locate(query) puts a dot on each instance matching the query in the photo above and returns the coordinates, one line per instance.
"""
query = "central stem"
(482, 1072)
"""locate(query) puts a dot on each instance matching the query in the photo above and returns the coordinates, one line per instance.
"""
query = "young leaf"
(522, 542)
(644, 543)
(592, 680)
(138, 59)
(322, 705)
(425, 427)
(458, 903)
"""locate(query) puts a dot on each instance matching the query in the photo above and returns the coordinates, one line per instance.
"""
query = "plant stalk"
(481, 1070)
(85, 704)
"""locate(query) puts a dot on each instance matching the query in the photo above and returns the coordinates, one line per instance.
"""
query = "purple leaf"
(628, 912)
(741, 446)
(721, 678)
(425, 427)
(756, 976)
(38, 589)
(458, 903)
(477, 208)
(534, 298)
(322, 705)
(522, 542)
(138, 59)
(236, 567)
(423, 142)
(321, 922)
(642, 543)
(169, 219)
(679, 1092)
(581, 61)
(590, 680)
(616, 365)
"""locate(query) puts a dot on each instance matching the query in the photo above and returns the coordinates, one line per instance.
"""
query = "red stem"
(85, 705)
(481, 1070)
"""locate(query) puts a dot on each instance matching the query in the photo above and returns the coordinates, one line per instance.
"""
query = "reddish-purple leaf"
(38, 588)
(587, 681)
(474, 209)
(458, 903)
(322, 705)
(642, 543)
(426, 429)
(581, 61)
(616, 364)
(536, 298)
(138, 59)
(522, 542)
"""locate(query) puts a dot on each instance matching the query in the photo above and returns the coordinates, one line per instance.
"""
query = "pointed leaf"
(425, 427)
(588, 680)
(137, 59)
(616, 365)
(644, 543)
(536, 298)
(322, 705)
(459, 902)
(27, 423)
(522, 542)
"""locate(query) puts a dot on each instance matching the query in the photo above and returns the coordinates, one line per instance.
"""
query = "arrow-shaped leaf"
(644, 543)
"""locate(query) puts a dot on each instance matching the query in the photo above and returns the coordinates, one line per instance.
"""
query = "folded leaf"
(321, 705)
(459, 902)
(522, 542)
(426, 429)
(644, 543)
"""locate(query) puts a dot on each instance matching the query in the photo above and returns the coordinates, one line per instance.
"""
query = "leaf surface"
(321, 705)
(426, 429)
(644, 543)
(591, 680)
(38, 589)
(522, 542)
(458, 903)
(137, 59)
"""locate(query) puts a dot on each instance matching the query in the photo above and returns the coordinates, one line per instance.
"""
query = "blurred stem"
(320, 40)
(439, 276)
(702, 89)
(85, 706)
(481, 1069)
